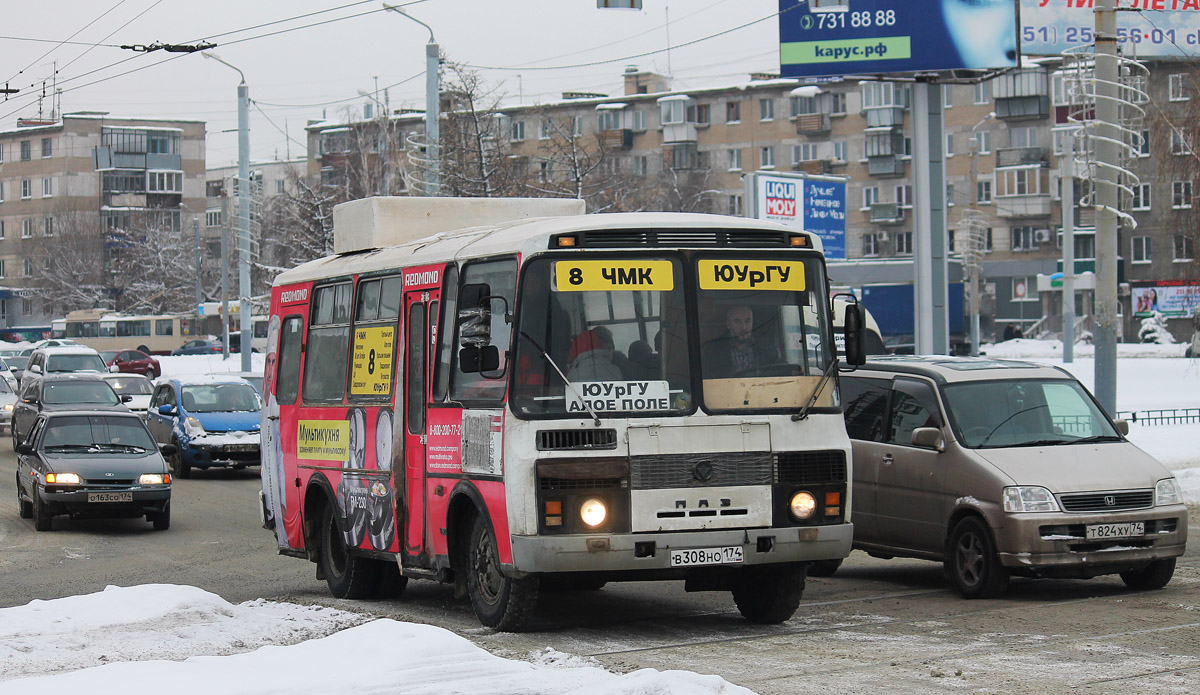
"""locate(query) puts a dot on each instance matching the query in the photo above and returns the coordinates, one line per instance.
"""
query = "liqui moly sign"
(781, 199)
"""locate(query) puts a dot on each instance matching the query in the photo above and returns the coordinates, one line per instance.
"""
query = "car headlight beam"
(593, 512)
(802, 505)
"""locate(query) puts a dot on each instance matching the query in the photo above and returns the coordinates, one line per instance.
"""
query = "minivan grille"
(808, 467)
(566, 440)
(1107, 501)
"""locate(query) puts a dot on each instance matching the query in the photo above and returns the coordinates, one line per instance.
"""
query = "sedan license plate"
(1099, 532)
(241, 447)
(706, 556)
(110, 497)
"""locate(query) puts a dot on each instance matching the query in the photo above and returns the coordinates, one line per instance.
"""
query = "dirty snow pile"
(183, 640)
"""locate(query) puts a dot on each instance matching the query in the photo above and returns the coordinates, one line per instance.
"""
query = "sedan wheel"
(41, 517)
(24, 507)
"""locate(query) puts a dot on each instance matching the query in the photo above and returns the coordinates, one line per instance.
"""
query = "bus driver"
(736, 353)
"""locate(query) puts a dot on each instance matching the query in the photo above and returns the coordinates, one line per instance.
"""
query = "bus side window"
(441, 383)
(328, 344)
(287, 364)
(501, 279)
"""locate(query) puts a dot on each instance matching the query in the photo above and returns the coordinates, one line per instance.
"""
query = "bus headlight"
(593, 512)
(803, 505)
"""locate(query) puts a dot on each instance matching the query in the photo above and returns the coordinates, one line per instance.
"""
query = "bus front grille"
(718, 469)
(566, 440)
(809, 467)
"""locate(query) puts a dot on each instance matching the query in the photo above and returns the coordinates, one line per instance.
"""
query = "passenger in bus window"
(591, 357)
(737, 353)
(643, 363)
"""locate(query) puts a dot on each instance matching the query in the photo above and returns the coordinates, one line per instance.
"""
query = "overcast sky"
(298, 75)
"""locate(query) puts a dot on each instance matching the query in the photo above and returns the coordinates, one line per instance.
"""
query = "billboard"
(810, 204)
(1173, 299)
(885, 36)
(1159, 28)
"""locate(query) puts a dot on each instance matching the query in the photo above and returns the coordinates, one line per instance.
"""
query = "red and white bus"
(526, 394)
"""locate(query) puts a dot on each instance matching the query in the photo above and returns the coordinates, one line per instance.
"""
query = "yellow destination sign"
(371, 363)
(785, 276)
(323, 440)
(605, 276)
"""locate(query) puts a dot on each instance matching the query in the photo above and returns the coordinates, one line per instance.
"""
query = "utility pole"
(244, 220)
(974, 250)
(199, 255)
(1068, 225)
(432, 105)
(1108, 136)
(929, 220)
(225, 279)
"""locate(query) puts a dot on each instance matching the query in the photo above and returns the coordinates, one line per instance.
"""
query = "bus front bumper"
(658, 551)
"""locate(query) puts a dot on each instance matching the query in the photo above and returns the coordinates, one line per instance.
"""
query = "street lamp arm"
(214, 56)
(400, 10)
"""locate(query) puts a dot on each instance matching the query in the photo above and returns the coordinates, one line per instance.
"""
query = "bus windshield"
(619, 335)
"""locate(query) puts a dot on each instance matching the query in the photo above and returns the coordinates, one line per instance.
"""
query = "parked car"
(137, 387)
(92, 464)
(16, 365)
(212, 422)
(10, 352)
(131, 362)
(255, 379)
(49, 360)
(49, 342)
(998, 468)
(200, 346)
(7, 375)
(60, 392)
(8, 401)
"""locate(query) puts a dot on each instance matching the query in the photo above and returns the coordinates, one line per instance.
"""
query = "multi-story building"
(1004, 147)
(86, 171)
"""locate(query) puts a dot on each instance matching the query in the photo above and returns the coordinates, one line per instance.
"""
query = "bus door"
(418, 337)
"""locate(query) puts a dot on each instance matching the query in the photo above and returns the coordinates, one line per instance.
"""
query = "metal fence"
(1170, 416)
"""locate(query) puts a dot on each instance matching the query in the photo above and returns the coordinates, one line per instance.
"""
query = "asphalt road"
(876, 626)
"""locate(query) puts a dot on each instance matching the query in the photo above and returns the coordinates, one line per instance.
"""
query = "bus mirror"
(475, 359)
(852, 322)
(474, 327)
(473, 295)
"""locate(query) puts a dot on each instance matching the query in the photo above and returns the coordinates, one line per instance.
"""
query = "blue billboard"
(811, 204)
(886, 36)
(1158, 29)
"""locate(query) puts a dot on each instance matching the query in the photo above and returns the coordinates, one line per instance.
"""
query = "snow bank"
(124, 636)
(196, 365)
(1027, 347)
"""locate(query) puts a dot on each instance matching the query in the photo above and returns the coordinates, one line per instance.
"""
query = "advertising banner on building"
(1170, 300)
(870, 37)
(1157, 29)
(808, 203)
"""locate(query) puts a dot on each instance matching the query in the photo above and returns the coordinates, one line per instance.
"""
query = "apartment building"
(1004, 158)
(92, 171)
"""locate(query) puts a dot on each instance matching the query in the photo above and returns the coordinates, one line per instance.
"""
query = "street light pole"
(243, 92)
(975, 265)
(432, 106)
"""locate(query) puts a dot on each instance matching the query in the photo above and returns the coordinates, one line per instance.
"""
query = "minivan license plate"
(110, 497)
(1099, 532)
(706, 556)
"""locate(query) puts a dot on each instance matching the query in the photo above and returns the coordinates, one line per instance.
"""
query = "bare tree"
(474, 149)
(687, 190)
(150, 264)
(68, 263)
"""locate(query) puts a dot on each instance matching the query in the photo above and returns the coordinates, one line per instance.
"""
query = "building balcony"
(1013, 108)
(890, 165)
(813, 124)
(620, 139)
(814, 166)
(884, 117)
(1023, 205)
(887, 213)
(679, 132)
(1020, 156)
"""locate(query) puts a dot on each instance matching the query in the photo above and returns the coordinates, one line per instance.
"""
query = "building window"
(47, 187)
(947, 96)
(1141, 196)
(884, 95)
(27, 268)
(1183, 248)
(577, 126)
(164, 181)
(1, 152)
(841, 151)
(26, 151)
(3, 274)
(983, 92)
(47, 226)
(280, 186)
(949, 144)
(159, 143)
(804, 106)
(1085, 245)
(609, 120)
(546, 171)
(703, 114)
(26, 228)
(26, 189)
(1181, 195)
(639, 120)
(1022, 137)
(804, 152)
(870, 244)
(212, 218)
(950, 240)
(1023, 239)
(1, 191)
(1023, 289)
(518, 130)
(1141, 249)
(545, 129)
(1144, 143)
(735, 160)
(950, 195)
(1180, 142)
(1019, 181)
(766, 109)
(870, 196)
(903, 193)
(904, 243)
(983, 142)
(733, 112)
(983, 192)
(641, 165)
(1, 229)
(1178, 87)
(27, 306)
(839, 104)
(47, 147)
(767, 158)
(735, 205)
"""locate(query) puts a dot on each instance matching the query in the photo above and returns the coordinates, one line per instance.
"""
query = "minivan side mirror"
(1122, 427)
(36, 368)
(166, 409)
(928, 438)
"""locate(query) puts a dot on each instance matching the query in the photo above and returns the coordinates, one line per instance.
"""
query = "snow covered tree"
(1154, 330)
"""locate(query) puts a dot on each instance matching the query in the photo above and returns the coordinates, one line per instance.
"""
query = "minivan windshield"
(1025, 412)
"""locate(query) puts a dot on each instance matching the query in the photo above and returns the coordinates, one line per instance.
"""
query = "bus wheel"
(823, 568)
(348, 576)
(499, 601)
(769, 595)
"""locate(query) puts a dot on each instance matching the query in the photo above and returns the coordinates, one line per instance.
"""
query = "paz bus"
(506, 393)
(104, 329)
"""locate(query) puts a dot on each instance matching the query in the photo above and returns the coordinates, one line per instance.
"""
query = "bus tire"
(347, 575)
(769, 595)
(823, 568)
(500, 602)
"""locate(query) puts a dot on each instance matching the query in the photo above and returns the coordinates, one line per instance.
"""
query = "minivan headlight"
(1167, 491)
(1028, 498)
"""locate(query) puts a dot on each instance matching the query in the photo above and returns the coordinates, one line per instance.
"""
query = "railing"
(1168, 416)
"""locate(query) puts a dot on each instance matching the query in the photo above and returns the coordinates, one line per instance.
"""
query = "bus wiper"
(812, 397)
(548, 358)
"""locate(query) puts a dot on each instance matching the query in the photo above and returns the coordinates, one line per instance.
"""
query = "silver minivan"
(1001, 468)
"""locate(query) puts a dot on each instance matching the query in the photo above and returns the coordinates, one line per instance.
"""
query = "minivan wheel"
(972, 562)
(1153, 576)
(179, 467)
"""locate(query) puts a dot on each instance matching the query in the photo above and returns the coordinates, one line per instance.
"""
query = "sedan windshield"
(79, 392)
(219, 398)
(1025, 412)
(74, 363)
(96, 432)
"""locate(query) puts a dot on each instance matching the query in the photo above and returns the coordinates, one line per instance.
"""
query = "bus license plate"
(706, 556)
(110, 497)
(1133, 529)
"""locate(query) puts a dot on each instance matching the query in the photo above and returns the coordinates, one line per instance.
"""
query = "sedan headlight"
(1029, 499)
(8, 407)
(154, 479)
(62, 479)
(193, 427)
(1167, 491)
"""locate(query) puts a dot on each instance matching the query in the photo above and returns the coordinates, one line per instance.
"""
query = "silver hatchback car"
(998, 468)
